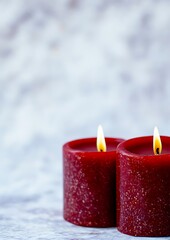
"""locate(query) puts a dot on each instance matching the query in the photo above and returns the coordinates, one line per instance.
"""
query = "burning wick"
(101, 143)
(157, 144)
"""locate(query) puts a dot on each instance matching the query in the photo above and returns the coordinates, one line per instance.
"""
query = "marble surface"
(65, 67)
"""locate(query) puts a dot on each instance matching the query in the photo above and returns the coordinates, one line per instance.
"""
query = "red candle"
(143, 187)
(89, 183)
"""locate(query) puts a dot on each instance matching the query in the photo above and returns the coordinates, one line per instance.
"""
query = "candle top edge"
(143, 147)
(88, 145)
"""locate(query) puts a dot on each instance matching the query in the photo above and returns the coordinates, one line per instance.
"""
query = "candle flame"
(157, 144)
(101, 143)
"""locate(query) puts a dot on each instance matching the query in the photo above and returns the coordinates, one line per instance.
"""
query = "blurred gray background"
(67, 66)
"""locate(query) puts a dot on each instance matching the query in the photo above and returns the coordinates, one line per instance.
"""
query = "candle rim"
(69, 143)
(123, 149)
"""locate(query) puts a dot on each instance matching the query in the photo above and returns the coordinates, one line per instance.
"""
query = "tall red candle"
(143, 188)
(89, 183)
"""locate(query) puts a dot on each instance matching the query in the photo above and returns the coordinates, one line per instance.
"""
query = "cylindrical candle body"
(143, 188)
(89, 183)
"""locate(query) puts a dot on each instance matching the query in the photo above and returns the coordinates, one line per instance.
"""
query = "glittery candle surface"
(90, 183)
(143, 192)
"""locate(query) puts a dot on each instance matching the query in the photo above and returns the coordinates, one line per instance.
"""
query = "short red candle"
(89, 183)
(143, 188)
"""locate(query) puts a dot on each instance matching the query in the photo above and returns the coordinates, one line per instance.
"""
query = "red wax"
(89, 183)
(143, 188)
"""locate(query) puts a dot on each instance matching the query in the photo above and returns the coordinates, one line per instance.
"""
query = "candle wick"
(157, 150)
(101, 150)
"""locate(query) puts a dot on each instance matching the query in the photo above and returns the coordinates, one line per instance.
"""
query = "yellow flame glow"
(157, 144)
(101, 143)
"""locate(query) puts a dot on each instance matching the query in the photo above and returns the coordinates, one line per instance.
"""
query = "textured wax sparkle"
(90, 183)
(143, 188)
